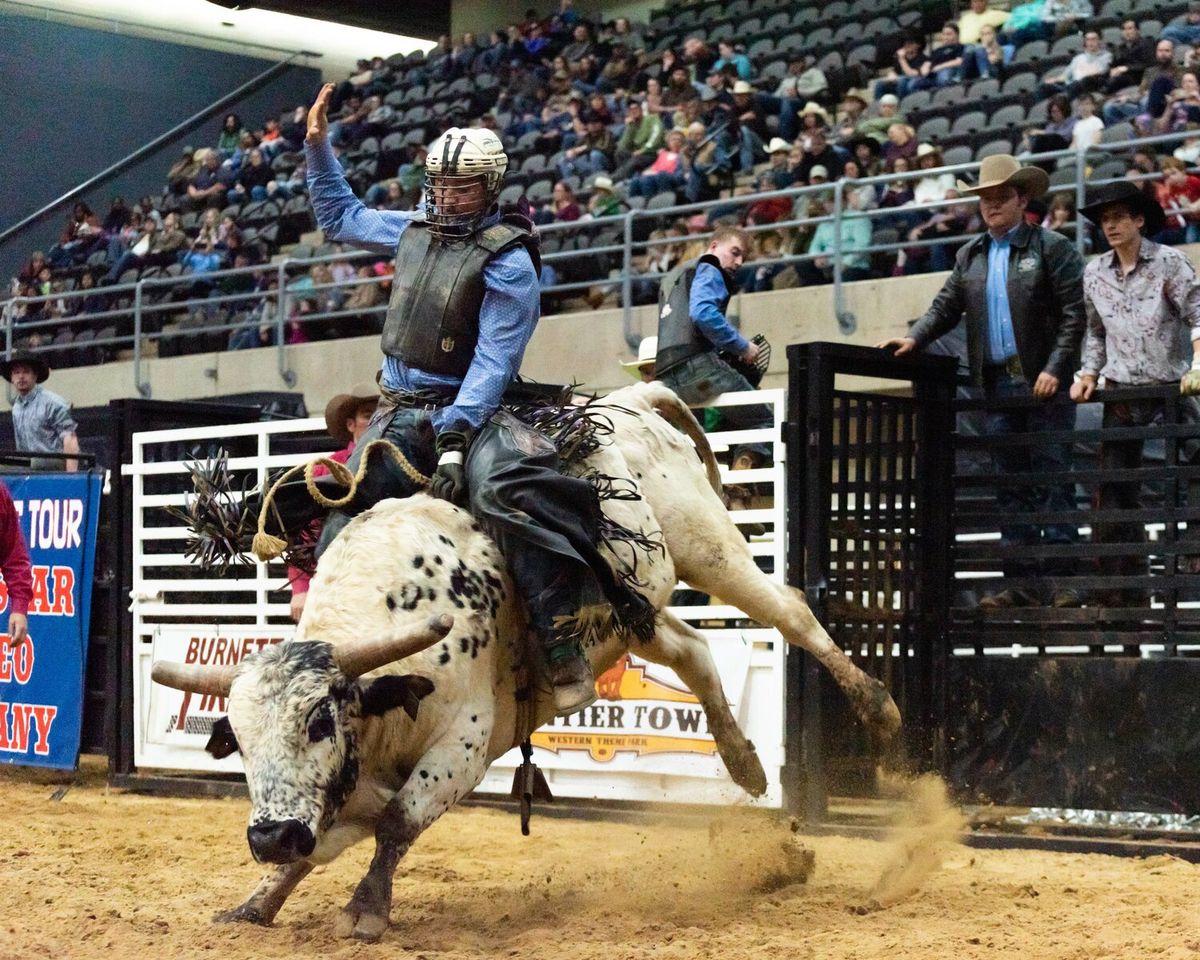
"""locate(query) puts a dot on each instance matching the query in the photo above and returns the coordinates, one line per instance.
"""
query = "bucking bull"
(404, 680)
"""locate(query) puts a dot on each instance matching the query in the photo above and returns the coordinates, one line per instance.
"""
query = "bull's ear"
(387, 693)
(222, 742)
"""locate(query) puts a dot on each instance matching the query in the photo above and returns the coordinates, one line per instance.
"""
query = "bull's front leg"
(443, 775)
(268, 896)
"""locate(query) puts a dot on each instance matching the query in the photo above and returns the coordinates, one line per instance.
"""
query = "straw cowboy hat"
(603, 183)
(1002, 169)
(1128, 195)
(40, 368)
(742, 87)
(646, 355)
(813, 107)
(344, 406)
(778, 145)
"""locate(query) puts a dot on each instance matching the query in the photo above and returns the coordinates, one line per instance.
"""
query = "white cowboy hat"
(602, 183)
(778, 145)
(646, 355)
(1002, 169)
(742, 87)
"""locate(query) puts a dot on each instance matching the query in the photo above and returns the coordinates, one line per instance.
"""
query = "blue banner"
(41, 679)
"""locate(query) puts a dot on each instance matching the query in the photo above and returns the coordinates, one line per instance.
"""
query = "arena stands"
(713, 104)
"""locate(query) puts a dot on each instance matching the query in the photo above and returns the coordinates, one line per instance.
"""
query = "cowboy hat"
(872, 144)
(854, 93)
(778, 145)
(344, 406)
(742, 87)
(813, 107)
(1129, 195)
(925, 149)
(40, 368)
(646, 355)
(1003, 169)
(603, 183)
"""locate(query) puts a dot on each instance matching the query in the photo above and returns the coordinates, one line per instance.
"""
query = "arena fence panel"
(645, 740)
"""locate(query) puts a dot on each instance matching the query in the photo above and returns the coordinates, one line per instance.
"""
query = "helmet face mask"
(463, 174)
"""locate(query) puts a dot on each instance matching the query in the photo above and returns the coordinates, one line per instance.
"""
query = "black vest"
(432, 319)
(679, 339)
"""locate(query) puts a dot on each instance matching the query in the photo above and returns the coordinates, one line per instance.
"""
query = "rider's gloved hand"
(449, 480)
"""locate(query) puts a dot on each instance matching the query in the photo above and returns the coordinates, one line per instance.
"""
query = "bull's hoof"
(886, 719)
(243, 914)
(357, 924)
(746, 770)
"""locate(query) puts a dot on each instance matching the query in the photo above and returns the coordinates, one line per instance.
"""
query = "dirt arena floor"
(99, 873)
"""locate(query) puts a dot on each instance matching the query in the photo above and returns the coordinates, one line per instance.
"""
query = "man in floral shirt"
(1143, 311)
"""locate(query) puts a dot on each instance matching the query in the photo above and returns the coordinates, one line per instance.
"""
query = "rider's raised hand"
(318, 116)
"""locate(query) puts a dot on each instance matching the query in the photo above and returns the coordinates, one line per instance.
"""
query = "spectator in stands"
(1021, 289)
(1088, 126)
(887, 113)
(693, 333)
(1056, 134)
(163, 249)
(566, 18)
(41, 420)
(17, 573)
(781, 174)
(1087, 71)
(117, 217)
(667, 172)
(988, 57)
(679, 89)
(1124, 107)
(594, 153)
(819, 152)
(624, 34)
(698, 57)
(535, 42)
(902, 142)
(1133, 56)
(347, 417)
(81, 236)
(1187, 31)
(182, 170)
(856, 235)
(814, 117)
(944, 66)
(727, 54)
(253, 177)
(943, 223)
(972, 21)
(563, 207)
(230, 135)
(639, 143)
(257, 327)
(1060, 217)
(581, 44)
(32, 267)
(206, 188)
(1143, 308)
(851, 112)
(767, 209)
(200, 260)
(604, 201)
(1060, 17)
(1182, 108)
(934, 186)
(618, 73)
(1179, 195)
(229, 236)
(911, 67)
(867, 152)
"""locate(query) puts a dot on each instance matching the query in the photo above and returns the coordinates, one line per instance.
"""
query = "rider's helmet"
(463, 173)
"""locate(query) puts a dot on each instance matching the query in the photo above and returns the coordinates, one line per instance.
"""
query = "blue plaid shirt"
(506, 319)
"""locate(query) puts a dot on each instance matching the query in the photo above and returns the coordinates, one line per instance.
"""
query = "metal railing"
(140, 304)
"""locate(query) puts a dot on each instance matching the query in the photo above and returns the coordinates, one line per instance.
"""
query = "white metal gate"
(644, 740)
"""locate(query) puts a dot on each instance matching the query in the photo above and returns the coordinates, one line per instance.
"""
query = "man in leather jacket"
(1020, 288)
(464, 305)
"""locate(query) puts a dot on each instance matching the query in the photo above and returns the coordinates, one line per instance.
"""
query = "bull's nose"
(280, 841)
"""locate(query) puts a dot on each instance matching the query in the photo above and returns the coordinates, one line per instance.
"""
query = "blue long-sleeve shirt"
(707, 294)
(1001, 339)
(506, 319)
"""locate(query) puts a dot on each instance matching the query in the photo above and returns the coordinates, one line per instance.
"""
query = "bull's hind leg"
(448, 771)
(678, 646)
(724, 567)
(268, 896)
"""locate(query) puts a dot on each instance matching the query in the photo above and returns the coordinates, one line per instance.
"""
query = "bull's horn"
(213, 679)
(362, 656)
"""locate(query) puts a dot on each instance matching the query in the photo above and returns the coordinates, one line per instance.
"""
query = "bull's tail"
(668, 406)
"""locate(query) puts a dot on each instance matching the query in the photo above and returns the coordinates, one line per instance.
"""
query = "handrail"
(250, 86)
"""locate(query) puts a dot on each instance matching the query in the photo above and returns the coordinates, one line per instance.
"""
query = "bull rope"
(266, 546)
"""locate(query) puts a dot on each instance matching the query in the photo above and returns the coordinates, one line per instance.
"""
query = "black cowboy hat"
(40, 368)
(1128, 194)
(874, 145)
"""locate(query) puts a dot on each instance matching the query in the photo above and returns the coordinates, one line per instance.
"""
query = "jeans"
(1118, 112)
(594, 161)
(648, 184)
(788, 111)
(701, 378)
(1182, 33)
(976, 63)
(1124, 495)
(1034, 457)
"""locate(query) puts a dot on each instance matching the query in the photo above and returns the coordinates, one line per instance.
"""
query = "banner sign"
(41, 678)
(179, 721)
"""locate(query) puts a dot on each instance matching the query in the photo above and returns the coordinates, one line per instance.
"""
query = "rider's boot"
(569, 671)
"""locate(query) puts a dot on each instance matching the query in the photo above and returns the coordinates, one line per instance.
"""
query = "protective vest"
(432, 320)
(679, 339)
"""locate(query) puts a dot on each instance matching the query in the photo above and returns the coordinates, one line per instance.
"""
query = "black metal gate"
(868, 531)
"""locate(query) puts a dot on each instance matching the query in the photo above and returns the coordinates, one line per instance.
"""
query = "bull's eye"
(320, 725)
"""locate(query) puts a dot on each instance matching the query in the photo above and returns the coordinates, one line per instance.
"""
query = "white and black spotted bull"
(400, 689)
